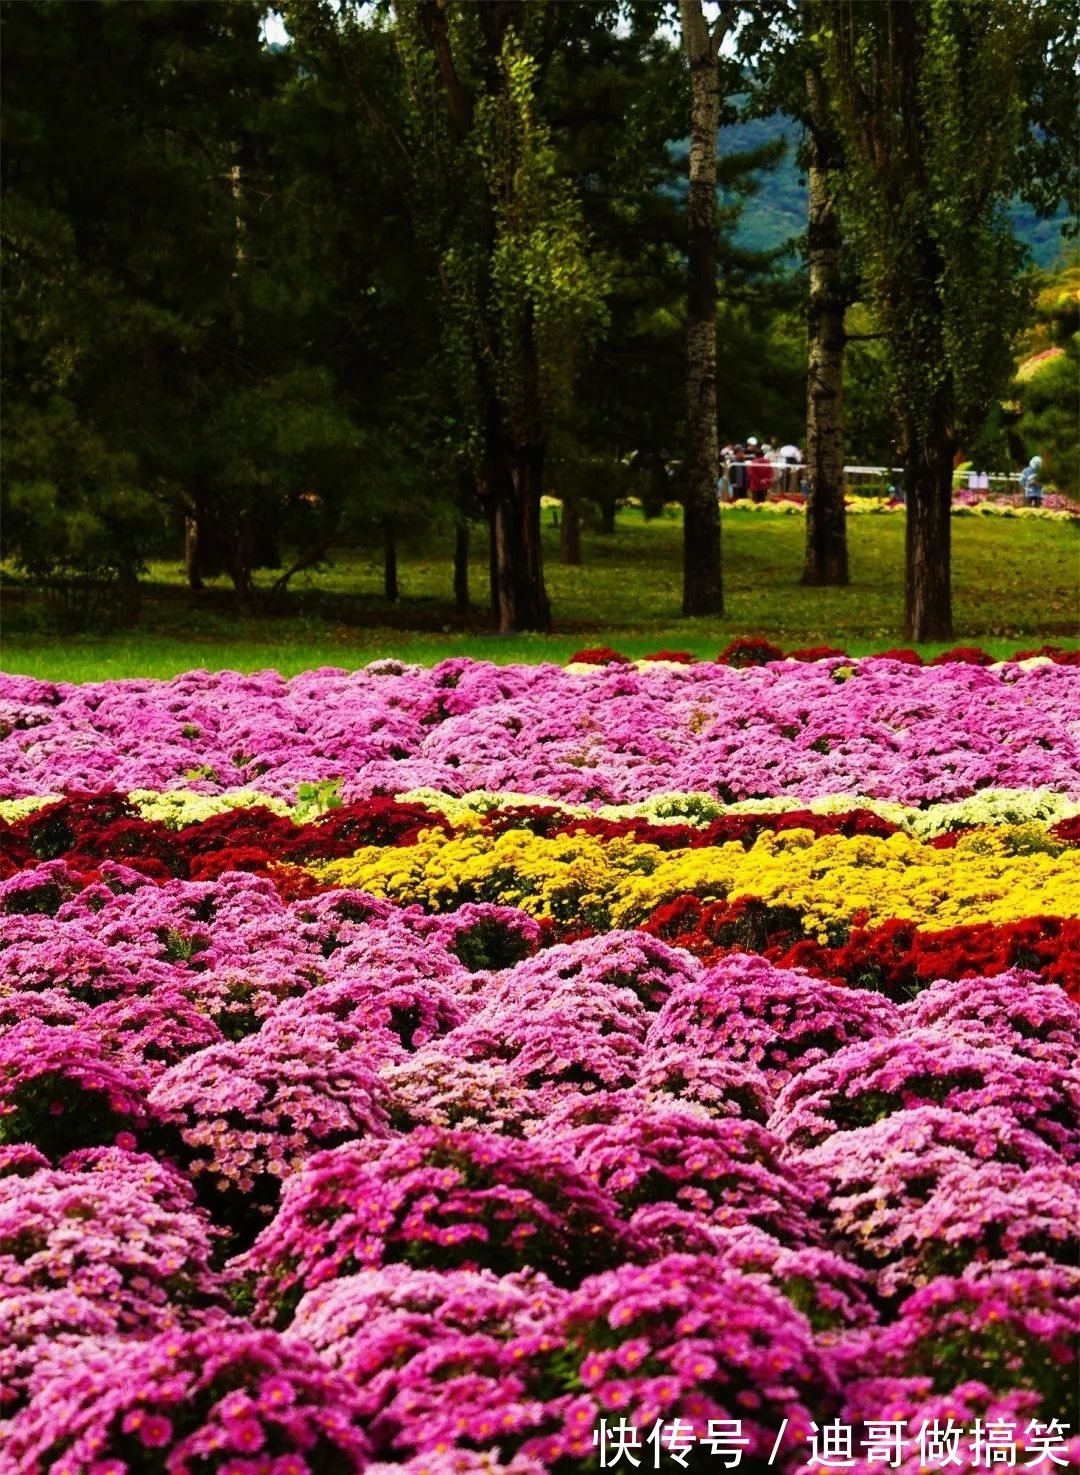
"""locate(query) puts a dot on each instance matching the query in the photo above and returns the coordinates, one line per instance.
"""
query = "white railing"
(875, 481)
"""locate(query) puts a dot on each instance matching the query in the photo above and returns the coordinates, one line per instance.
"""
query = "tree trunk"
(702, 590)
(238, 565)
(607, 516)
(130, 595)
(390, 578)
(493, 562)
(513, 484)
(523, 602)
(570, 534)
(534, 609)
(826, 560)
(928, 591)
(192, 562)
(461, 566)
(205, 554)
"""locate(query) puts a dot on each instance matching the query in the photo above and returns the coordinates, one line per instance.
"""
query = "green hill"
(777, 211)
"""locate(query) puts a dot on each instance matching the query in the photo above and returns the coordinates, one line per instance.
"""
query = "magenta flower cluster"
(222, 1398)
(899, 732)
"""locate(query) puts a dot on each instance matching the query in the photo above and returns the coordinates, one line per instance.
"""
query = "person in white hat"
(1029, 480)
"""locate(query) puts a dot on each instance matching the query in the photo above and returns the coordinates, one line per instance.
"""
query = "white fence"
(875, 481)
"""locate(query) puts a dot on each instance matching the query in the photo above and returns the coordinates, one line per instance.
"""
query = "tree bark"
(570, 534)
(390, 578)
(702, 588)
(826, 559)
(523, 602)
(238, 565)
(928, 589)
(534, 608)
(204, 551)
(493, 563)
(513, 477)
(461, 566)
(192, 563)
(130, 596)
(607, 516)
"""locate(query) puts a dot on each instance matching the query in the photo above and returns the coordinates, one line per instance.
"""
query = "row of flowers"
(834, 882)
(177, 830)
(877, 729)
(1053, 508)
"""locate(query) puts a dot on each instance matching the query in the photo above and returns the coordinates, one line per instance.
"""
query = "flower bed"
(1054, 507)
(481, 1069)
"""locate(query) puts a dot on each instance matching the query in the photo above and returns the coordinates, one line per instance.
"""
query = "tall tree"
(114, 237)
(156, 319)
(826, 559)
(702, 577)
(522, 292)
(931, 98)
(782, 48)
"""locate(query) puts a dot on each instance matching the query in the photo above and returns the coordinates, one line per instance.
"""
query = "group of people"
(750, 469)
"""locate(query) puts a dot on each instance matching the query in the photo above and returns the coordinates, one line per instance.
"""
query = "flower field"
(542, 1069)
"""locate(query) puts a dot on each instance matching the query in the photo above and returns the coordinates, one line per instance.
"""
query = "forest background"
(404, 276)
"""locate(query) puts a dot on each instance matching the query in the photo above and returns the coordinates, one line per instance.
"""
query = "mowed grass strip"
(1015, 582)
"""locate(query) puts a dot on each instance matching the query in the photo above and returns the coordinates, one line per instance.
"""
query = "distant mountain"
(777, 212)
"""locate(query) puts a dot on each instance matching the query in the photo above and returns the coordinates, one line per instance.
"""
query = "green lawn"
(1014, 582)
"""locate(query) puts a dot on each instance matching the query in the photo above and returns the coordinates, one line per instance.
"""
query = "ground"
(1014, 582)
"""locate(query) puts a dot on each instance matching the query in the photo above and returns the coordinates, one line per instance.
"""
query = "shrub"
(749, 652)
(195, 1400)
(434, 1200)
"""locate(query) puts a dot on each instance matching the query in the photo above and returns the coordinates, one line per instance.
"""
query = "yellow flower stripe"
(998, 875)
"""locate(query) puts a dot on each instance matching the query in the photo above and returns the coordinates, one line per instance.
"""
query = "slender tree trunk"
(205, 554)
(607, 516)
(461, 566)
(192, 562)
(702, 589)
(493, 561)
(390, 578)
(514, 477)
(826, 560)
(238, 564)
(928, 589)
(130, 595)
(534, 608)
(506, 537)
(570, 533)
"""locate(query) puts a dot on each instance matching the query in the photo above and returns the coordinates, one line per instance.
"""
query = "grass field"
(1014, 582)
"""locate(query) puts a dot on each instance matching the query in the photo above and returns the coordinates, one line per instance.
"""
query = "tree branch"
(433, 19)
(312, 556)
